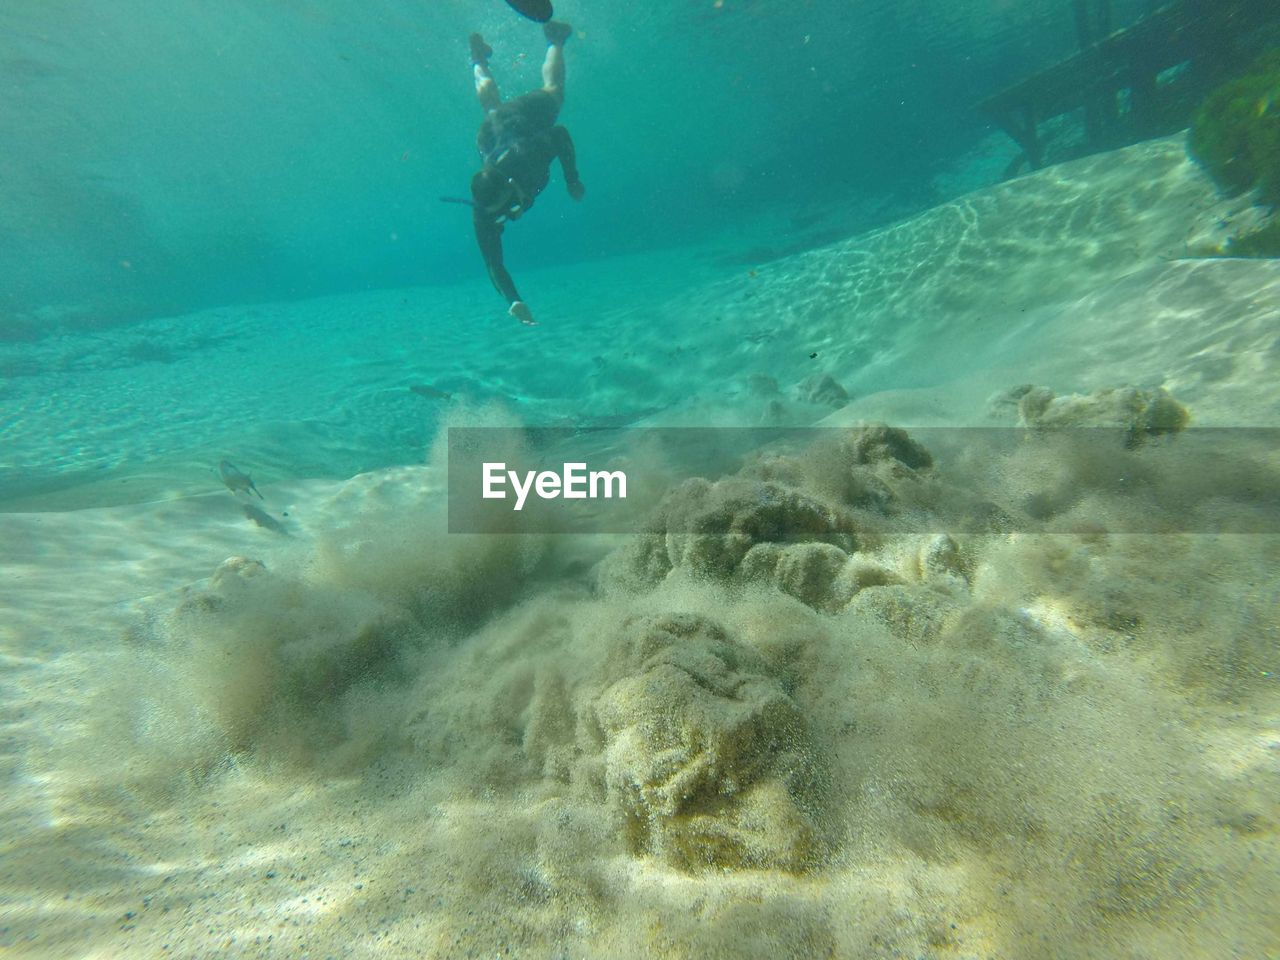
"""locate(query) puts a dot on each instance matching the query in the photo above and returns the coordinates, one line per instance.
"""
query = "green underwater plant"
(1263, 242)
(1235, 136)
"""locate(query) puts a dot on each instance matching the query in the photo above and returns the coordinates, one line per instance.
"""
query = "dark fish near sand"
(539, 10)
(264, 519)
(430, 392)
(236, 481)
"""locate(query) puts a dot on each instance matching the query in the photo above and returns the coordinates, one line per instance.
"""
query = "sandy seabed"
(889, 734)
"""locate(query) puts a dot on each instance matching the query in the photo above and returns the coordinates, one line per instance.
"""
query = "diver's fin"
(539, 10)
(557, 32)
(480, 51)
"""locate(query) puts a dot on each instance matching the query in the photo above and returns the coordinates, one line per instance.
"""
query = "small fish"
(539, 10)
(430, 392)
(236, 481)
(263, 519)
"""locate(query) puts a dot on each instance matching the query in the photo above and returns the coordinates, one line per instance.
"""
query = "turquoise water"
(847, 698)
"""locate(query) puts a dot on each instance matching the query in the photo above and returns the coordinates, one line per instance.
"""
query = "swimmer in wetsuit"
(517, 141)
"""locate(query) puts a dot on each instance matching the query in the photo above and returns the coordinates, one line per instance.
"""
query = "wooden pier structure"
(1205, 35)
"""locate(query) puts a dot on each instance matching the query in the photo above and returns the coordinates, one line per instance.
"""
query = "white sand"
(381, 744)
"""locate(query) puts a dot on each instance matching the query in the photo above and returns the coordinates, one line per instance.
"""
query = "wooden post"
(1144, 109)
(1019, 123)
(1092, 23)
(1031, 137)
(1101, 114)
(1103, 24)
(1083, 33)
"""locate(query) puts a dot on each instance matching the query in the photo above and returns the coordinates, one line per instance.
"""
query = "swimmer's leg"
(486, 86)
(553, 66)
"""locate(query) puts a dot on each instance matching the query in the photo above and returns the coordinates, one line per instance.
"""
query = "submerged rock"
(792, 520)
(229, 583)
(858, 575)
(709, 527)
(877, 442)
(234, 572)
(1005, 402)
(915, 614)
(706, 755)
(1140, 414)
(774, 413)
(778, 468)
(940, 559)
(823, 390)
(807, 571)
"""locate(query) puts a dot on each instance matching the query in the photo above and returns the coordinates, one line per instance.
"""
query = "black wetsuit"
(519, 139)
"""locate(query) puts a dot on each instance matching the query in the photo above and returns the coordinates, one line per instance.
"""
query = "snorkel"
(506, 211)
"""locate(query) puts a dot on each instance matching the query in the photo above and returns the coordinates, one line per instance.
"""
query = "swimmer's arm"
(563, 145)
(489, 237)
